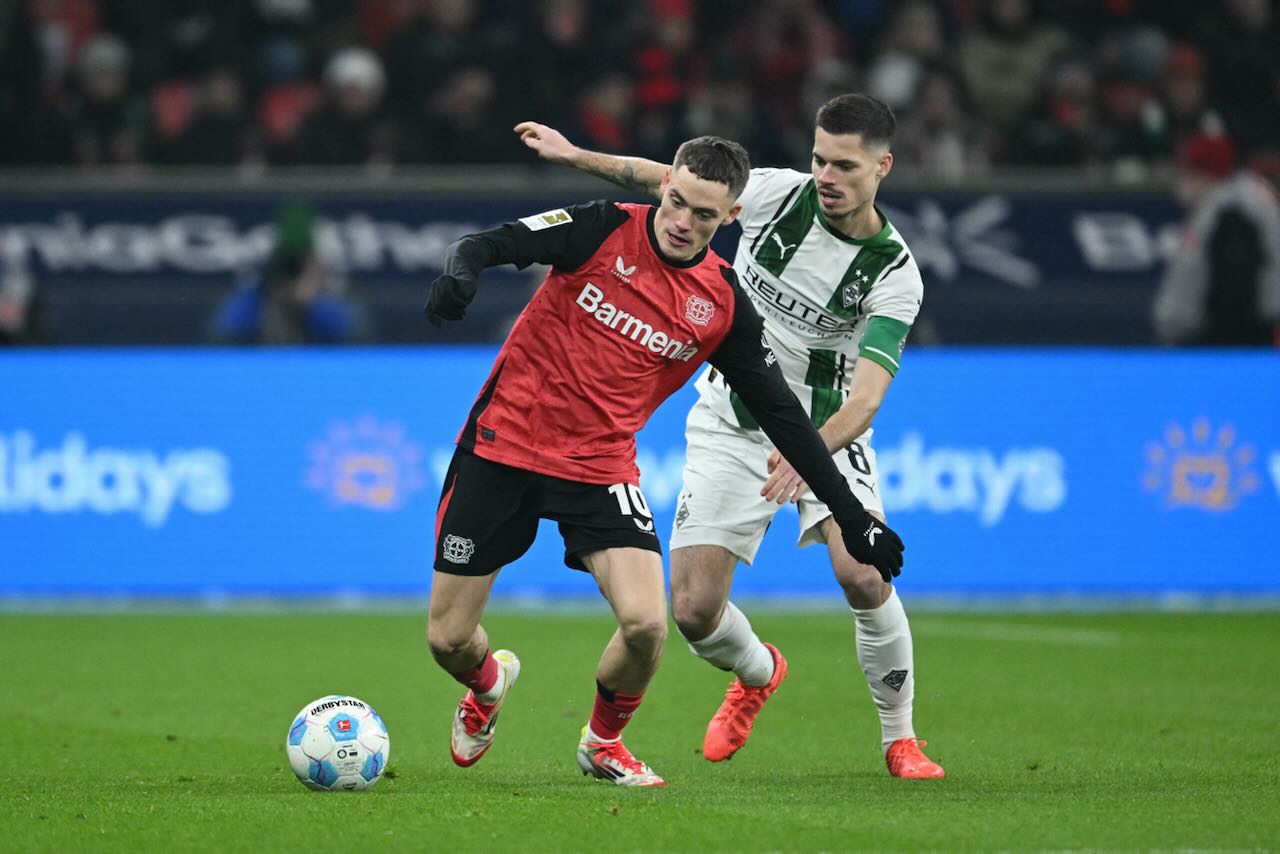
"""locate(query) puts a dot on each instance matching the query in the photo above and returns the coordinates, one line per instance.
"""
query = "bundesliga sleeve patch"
(548, 219)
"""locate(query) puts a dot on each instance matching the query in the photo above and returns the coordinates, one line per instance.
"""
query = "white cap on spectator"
(355, 66)
(894, 79)
(103, 54)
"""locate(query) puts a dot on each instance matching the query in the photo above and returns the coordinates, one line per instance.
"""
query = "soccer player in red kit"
(634, 303)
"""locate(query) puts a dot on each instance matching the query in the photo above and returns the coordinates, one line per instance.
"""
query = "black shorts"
(489, 514)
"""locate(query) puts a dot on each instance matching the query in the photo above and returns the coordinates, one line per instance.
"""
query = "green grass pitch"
(1082, 732)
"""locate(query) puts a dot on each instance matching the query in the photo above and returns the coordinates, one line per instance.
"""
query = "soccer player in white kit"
(838, 290)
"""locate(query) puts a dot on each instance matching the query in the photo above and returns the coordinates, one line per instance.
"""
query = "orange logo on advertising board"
(1203, 468)
(366, 464)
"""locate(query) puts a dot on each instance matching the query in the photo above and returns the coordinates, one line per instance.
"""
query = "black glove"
(871, 541)
(449, 298)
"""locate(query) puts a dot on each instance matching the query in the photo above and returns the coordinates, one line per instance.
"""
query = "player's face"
(847, 172)
(691, 210)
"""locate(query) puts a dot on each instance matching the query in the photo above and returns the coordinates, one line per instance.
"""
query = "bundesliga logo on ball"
(338, 743)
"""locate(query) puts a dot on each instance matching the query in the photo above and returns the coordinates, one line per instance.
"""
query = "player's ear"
(731, 215)
(885, 164)
(666, 182)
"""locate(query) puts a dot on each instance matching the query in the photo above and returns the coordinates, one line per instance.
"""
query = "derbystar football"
(338, 743)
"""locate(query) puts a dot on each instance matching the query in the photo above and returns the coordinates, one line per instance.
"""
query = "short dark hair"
(714, 158)
(861, 114)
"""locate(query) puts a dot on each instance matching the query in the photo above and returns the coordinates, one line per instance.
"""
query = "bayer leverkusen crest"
(698, 310)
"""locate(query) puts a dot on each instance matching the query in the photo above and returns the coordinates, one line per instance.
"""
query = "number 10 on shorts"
(631, 503)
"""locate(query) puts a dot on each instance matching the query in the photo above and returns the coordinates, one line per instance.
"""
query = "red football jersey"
(600, 346)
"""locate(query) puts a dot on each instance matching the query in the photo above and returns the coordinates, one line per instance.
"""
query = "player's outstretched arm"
(632, 173)
(563, 238)
(870, 382)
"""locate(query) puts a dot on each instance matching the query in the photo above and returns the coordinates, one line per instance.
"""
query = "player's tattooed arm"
(631, 173)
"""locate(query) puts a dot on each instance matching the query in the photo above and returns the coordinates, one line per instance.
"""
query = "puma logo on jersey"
(592, 301)
(782, 247)
(622, 271)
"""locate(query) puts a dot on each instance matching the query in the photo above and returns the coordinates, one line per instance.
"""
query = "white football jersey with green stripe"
(826, 298)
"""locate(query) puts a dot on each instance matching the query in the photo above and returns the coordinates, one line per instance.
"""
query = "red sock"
(612, 711)
(482, 677)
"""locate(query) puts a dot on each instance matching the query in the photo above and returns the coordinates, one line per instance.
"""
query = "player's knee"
(446, 643)
(863, 586)
(647, 632)
(695, 617)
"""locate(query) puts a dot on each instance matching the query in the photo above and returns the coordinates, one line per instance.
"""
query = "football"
(338, 743)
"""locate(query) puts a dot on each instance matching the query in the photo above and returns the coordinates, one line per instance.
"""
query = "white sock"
(733, 646)
(884, 651)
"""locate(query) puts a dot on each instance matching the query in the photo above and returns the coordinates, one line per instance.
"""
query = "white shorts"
(725, 467)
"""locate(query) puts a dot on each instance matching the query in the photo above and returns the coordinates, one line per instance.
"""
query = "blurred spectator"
(348, 128)
(294, 300)
(725, 107)
(334, 25)
(1063, 130)
(1223, 285)
(1125, 99)
(666, 68)
(1181, 108)
(457, 123)
(62, 27)
(1089, 20)
(443, 36)
(938, 138)
(605, 114)
(380, 19)
(1242, 41)
(1005, 59)
(219, 131)
(22, 319)
(108, 123)
(913, 41)
(826, 79)
(557, 55)
(21, 83)
(780, 41)
(276, 41)
(176, 39)
(862, 21)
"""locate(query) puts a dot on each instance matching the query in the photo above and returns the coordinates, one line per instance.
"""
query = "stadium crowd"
(1112, 86)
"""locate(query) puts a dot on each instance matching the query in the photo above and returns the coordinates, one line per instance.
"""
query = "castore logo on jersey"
(622, 271)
